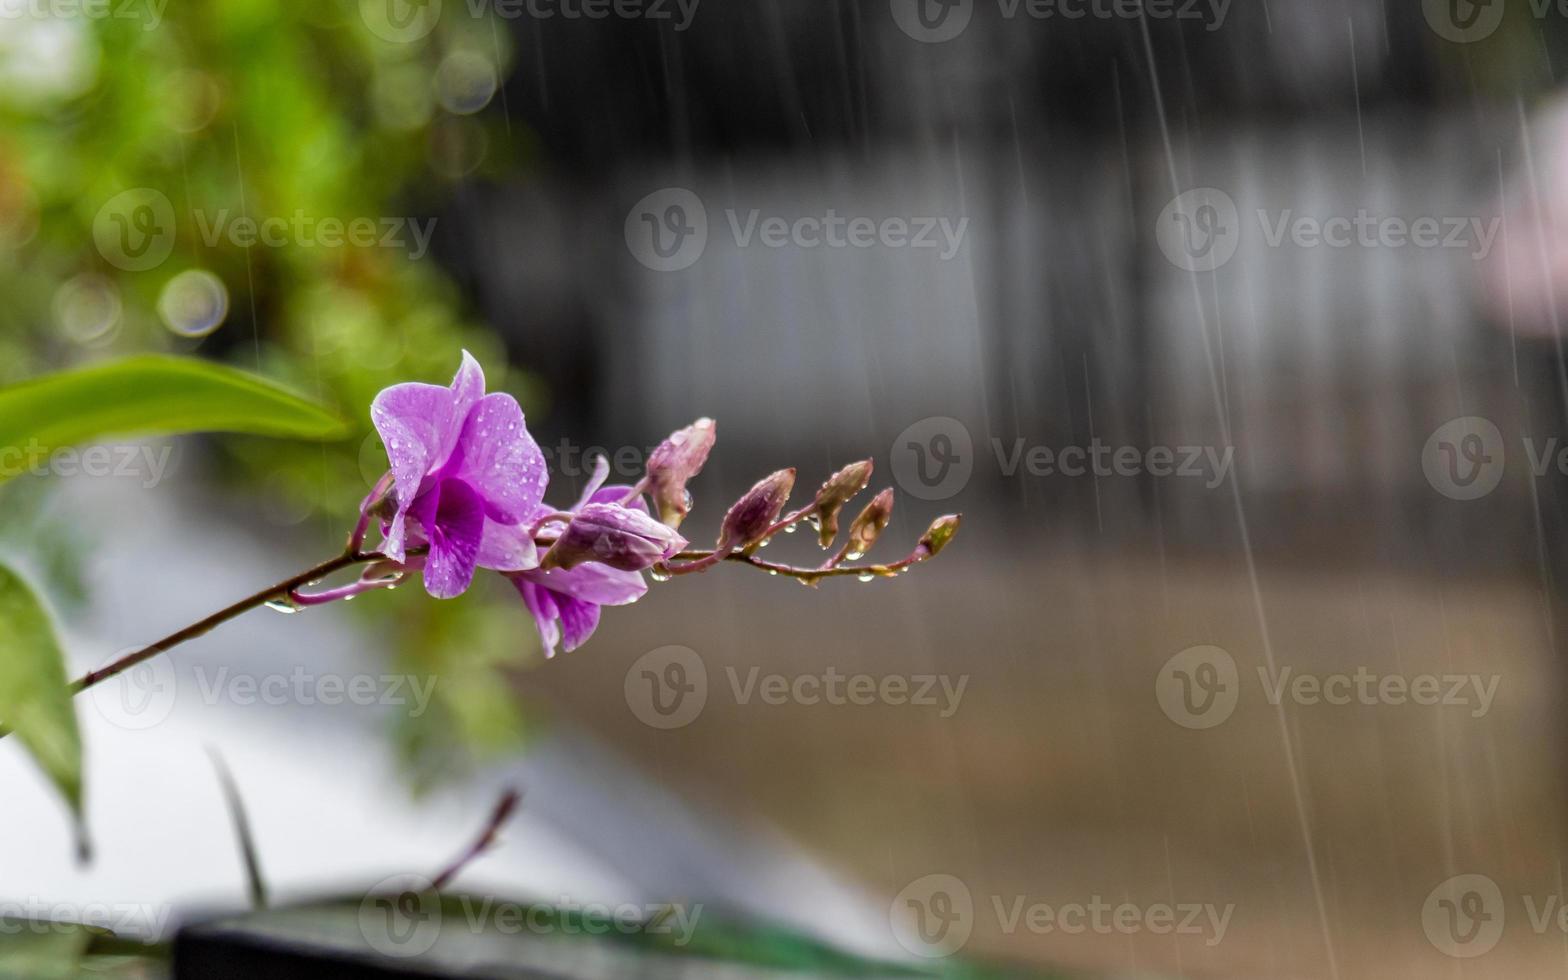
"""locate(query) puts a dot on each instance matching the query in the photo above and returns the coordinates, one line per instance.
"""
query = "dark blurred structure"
(1060, 321)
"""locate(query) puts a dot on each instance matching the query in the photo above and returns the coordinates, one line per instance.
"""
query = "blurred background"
(1233, 330)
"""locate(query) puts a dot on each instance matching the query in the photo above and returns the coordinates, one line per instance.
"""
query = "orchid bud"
(612, 535)
(939, 534)
(381, 503)
(750, 517)
(837, 491)
(863, 533)
(675, 461)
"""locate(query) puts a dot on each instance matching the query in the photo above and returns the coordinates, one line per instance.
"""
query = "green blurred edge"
(34, 699)
(151, 395)
(140, 396)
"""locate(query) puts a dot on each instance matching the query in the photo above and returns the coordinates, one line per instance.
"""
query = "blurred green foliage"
(244, 108)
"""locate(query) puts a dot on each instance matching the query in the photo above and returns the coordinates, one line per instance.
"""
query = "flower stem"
(201, 627)
(281, 590)
(703, 559)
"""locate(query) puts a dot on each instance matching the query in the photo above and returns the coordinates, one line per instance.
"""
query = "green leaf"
(148, 396)
(34, 700)
(43, 950)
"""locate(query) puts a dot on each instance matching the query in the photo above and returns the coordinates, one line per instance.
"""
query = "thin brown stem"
(703, 559)
(201, 627)
(486, 840)
(207, 625)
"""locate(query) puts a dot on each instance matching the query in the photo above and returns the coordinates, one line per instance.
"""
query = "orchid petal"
(415, 424)
(500, 460)
(593, 582)
(578, 621)
(615, 495)
(541, 605)
(507, 548)
(468, 387)
(455, 531)
(601, 472)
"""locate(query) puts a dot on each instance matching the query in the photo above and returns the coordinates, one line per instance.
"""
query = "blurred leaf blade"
(43, 950)
(151, 396)
(35, 702)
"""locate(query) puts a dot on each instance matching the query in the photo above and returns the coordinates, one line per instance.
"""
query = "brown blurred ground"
(1060, 778)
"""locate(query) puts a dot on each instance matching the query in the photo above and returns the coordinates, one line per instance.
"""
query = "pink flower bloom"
(467, 475)
(611, 534)
(565, 602)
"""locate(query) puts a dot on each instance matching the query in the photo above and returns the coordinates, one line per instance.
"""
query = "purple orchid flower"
(466, 476)
(565, 602)
(611, 534)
